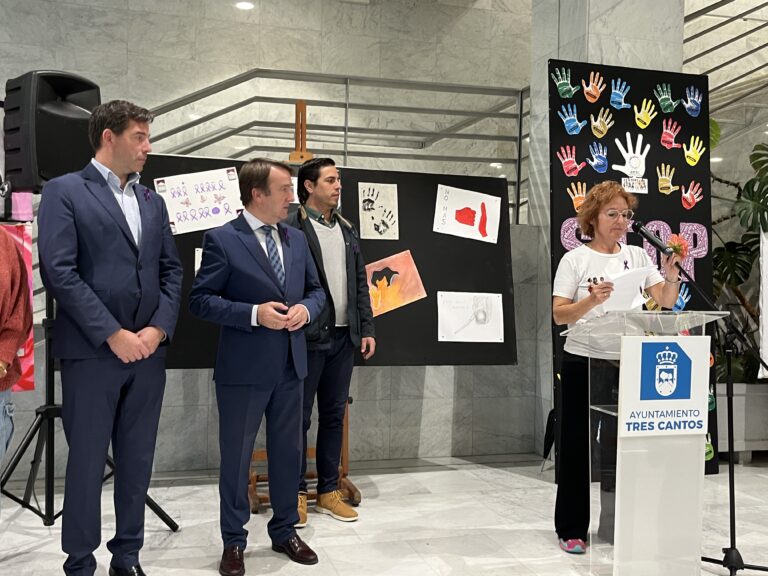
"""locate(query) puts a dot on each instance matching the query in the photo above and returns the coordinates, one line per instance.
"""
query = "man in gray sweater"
(345, 323)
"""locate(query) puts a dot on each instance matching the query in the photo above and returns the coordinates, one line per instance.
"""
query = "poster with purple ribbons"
(200, 200)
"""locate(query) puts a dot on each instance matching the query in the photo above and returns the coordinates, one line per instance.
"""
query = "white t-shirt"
(571, 281)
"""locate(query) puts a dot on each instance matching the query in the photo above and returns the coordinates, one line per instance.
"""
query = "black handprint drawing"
(385, 220)
(369, 199)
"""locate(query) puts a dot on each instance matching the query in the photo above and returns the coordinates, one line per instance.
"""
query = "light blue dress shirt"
(126, 197)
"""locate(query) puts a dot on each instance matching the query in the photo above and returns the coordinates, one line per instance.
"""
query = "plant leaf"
(759, 160)
(714, 133)
(752, 241)
(752, 207)
(732, 263)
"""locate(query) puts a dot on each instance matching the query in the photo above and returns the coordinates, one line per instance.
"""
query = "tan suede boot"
(333, 505)
(302, 511)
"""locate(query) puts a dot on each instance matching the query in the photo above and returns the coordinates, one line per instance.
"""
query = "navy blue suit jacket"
(91, 265)
(235, 274)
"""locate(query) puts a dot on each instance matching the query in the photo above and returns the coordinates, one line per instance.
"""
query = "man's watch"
(3, 370)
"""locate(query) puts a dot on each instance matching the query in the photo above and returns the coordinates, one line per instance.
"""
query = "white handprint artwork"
(634, 159)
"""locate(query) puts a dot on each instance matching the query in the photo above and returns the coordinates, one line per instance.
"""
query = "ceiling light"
(194, 116)
(716, 159)
(498, 165)
(502, 175)
(244, 5)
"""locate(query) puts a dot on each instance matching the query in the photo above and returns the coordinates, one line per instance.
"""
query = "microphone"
(637, 226)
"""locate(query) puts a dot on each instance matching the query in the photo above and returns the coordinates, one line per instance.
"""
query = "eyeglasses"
(614, 214)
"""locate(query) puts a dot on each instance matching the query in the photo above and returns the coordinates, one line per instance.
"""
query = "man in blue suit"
(108, 258)
(258, 281)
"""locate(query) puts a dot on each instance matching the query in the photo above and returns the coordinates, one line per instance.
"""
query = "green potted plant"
(736, 261)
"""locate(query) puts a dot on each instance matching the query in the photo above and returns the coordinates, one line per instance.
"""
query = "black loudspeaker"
(46, 126)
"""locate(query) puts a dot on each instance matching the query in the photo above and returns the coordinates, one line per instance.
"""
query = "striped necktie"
(274, 257)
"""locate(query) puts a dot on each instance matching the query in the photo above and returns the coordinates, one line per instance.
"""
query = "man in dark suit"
(345, 323)
(108, 258)
(257, 280)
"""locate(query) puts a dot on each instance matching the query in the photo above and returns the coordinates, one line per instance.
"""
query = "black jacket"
(359, 313)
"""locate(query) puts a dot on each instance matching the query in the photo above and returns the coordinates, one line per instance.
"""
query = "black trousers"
(328, 377)
(582, 446)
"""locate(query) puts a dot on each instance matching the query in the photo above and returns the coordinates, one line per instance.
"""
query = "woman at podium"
(580, 288)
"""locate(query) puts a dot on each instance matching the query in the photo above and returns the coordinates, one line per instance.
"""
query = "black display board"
(406, 336)
(666, 109)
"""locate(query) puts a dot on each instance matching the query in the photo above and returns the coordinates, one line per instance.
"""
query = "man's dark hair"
(115, 115)
(310, 170)
(255, 174)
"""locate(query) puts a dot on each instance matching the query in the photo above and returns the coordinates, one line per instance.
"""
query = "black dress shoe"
(297, 550)
(232, 563)
(132, 571)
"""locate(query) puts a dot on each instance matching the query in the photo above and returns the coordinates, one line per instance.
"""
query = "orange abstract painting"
(393, 282)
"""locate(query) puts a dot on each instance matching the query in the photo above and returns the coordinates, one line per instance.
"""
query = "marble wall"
(152, 52)
(600, 31)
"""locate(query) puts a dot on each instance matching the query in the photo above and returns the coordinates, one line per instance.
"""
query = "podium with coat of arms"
(648, 398)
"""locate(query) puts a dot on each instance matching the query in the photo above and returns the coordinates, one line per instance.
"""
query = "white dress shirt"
(256, 225)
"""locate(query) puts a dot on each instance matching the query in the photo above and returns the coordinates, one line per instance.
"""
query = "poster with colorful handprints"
(393, 282)
(466, 214)
(649, 131)
(22, 234)
(200, 200)
(378, 211)
(469, 317)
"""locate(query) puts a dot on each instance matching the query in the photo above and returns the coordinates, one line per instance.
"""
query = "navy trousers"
(105, 400)
(329, 373)
(241, 409)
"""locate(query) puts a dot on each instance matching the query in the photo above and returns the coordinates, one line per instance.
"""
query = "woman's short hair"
(597, 197)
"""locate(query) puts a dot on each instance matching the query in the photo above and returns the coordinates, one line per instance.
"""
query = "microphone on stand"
(639, 227)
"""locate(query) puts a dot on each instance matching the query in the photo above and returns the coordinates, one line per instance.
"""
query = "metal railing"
(509, 107)
(729, 98)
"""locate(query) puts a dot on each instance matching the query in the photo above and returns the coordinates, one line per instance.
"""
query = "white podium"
(647, 440)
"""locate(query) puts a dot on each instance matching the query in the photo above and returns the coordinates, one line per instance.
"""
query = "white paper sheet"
(763, 302)
(295, 183)
(469, 317)
(200, 200)
(198, 259)
(378, 211)
(627, 289)
(467, 214)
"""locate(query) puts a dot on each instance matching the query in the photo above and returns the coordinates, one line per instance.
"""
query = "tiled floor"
(447, 516)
